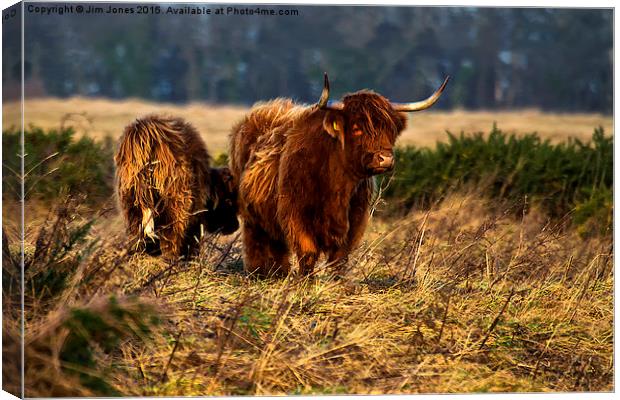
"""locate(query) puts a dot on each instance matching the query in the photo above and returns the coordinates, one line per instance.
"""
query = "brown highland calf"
(305, 175)
(167, 191)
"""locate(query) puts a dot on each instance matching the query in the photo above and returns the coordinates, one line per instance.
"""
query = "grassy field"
(494, 275)
(99, 117)
(459, 298)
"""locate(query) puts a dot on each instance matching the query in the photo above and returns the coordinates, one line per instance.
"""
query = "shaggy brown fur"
(166, 187)
(305, 178)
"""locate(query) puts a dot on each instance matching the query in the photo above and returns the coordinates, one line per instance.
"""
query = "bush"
(569, 176)
(56, 162)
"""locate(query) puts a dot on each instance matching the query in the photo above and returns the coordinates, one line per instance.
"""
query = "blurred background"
(500, 58)
(516, 71)
(526, 69)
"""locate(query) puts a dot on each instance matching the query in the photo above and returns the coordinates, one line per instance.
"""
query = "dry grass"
(99, 117)
(465, 297)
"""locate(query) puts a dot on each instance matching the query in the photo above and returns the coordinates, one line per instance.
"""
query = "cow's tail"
(152, 173)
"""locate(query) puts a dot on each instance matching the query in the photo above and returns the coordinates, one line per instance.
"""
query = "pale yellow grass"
(100, 117)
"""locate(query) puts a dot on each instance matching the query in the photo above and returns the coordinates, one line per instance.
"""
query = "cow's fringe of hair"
(368, 104)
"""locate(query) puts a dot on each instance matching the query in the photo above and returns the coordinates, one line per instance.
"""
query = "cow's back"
(170, 151)
(249, 134)
(256, 146)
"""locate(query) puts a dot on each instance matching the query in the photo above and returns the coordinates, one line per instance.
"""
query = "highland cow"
(167, 190)
(304, 175)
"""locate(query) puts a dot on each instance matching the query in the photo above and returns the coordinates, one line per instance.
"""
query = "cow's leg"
(174, 222)
(358, 220)
(262, 255)
(132, 216)
(170, 244)
(337, 261)
(305, 249)
(337, 258)
(280, 255)
(307, 262)
(195, 231)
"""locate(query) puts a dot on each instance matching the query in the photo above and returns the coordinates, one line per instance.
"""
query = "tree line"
(499, 58)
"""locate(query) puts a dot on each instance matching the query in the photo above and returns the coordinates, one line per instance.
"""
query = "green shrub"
(564, 177)
(57, 163)
(567, 177)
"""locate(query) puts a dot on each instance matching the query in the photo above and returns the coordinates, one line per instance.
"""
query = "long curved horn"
(324, 102)
(325, 93)
(424, 104)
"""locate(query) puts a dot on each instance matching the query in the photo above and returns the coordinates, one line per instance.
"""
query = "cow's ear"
(333, 123)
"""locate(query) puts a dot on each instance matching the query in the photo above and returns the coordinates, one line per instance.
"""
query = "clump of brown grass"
(70, 324)
(66, 352)
(464, 297)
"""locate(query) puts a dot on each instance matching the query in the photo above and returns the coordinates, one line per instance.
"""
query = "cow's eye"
(356, 130)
